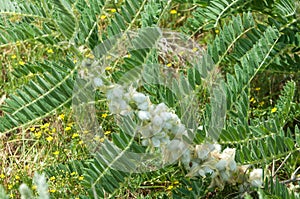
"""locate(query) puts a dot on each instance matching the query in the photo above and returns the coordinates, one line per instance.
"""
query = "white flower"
(139, 98)
(227, 154)
(155, 142)
(98, 82)
(255, 177)
(143, 106)
(221, 165)
(157, 121)
(116, 92)
(144, 115)
(203, 150)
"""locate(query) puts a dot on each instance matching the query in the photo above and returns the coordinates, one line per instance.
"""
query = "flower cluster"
(162, 129)
(159, 126)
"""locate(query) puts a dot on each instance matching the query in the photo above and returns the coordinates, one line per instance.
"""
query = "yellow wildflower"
(101, 140)
(21, 63)
(46, 125)
(176, 182)
(262, 103)
(113, 10)
(14, 56)
(103, 17)
(68, 128)
(2, 176)
(56, 153)
(190, 188)
(34, 187)
(49, 139)
(75, 135)
(75, 61)
(274, 110)
(52, 178)
(11, 195)
(38, 134)
(108, 68)
(170, 187)
(104, 115)
(169, 64)
(32, 129)
(17, 177)
(195, 49)
(107, 132)
(217, 31)
(9, 186)
(52, 190)
(257, 89)
(61, 116)
(50, 51)
(73, 173)
(53, 130)
(173, 12)
(91, 56)
(80, 142)
(80, 178)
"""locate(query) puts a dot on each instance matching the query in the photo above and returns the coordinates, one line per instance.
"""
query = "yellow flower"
(68, 128)
(21, 63)
(32, 129)
(80, 142)
(190, 188)
(38, 134)
(53, 130)
(34, 187)
(17, 177)
(46, 125)
(52, 178)
(52, 190)
(75, 61)
(170, 187)
(274, 110)
(2, 176)
(49, 139)
(101, 140)
(61, 116)
(173, 12)
(176, 182)
(75, 135)
(14, 56)
(11, 195)
(9, 186)
(195, 49)
(91, 56)
(113, 10)
(107, 132)
(103, 17)
(108, 68)
(169, 64)
(56, 153)
(252, 100)
(217, 31)
(80, 178)
(50, 51)
(262, 103)
(257, 89)
(73, 173)
(104, 115)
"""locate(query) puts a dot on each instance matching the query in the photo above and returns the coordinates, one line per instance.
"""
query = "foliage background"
(254, 43)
